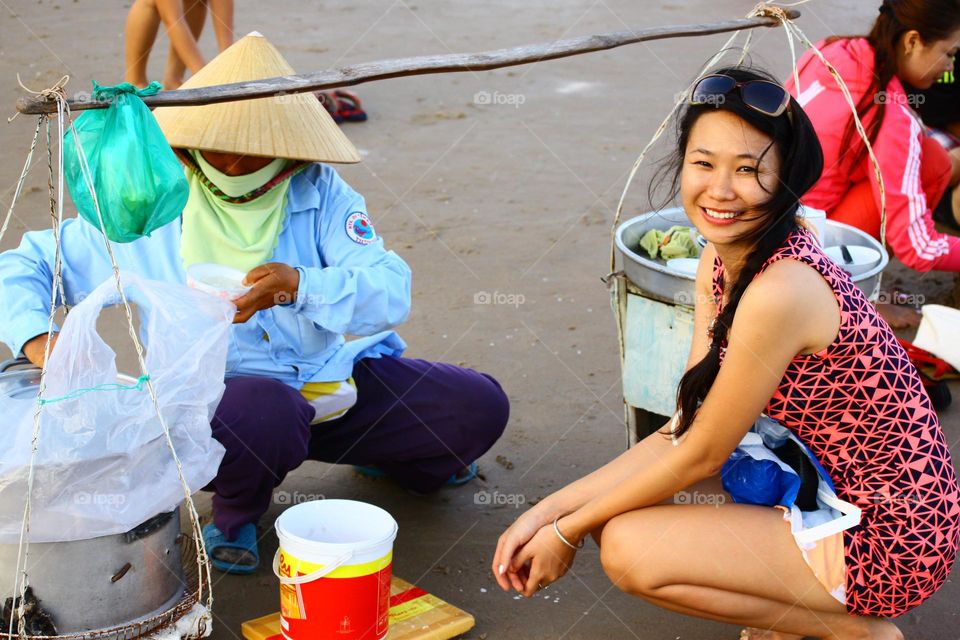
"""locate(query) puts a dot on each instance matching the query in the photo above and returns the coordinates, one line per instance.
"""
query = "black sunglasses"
(764, 96)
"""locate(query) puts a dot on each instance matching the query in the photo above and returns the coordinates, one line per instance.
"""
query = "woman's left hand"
(273, 283)
(548, 559)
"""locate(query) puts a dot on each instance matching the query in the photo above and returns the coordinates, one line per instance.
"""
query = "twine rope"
(21, 578)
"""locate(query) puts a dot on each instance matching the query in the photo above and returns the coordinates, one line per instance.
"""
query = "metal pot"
(101, 583)
(659, 282)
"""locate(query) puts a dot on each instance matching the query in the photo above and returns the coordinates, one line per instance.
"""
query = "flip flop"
(460, 478)
(342, 105)
(464, 476)
(239, 556)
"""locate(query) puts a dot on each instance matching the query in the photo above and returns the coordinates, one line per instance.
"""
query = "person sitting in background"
(912, 42)
(939, 108)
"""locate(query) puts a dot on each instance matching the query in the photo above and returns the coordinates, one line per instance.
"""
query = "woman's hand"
(273, 283)
(505, 570)
(545, 559)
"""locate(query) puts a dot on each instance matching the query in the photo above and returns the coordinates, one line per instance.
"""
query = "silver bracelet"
(556, 530)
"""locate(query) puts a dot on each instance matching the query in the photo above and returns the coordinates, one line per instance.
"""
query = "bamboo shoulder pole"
(383, 69)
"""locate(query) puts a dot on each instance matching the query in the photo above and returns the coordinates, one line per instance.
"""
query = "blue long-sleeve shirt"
(349, 284)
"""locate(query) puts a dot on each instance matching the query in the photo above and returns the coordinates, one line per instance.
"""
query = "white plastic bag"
(939, 333)
(834, 514)
(103, 465)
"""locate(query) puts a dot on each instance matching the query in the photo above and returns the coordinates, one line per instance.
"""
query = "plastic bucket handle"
(310, 577)
(325, 569)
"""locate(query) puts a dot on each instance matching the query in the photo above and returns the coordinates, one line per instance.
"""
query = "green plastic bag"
(139, 182)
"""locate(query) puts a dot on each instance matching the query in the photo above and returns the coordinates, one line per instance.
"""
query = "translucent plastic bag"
(140, 184)
(103, 465)
(833, 514)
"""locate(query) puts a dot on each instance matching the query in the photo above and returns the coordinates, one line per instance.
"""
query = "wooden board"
(414, 615)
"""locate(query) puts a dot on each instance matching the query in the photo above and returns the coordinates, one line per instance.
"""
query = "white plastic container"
(217, 280)
(817, 219)
(334, 565)
(862, 259)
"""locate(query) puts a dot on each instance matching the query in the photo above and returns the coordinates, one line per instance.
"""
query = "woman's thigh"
(738, 548)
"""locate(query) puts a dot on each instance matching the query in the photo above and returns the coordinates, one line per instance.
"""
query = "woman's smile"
(720, 216)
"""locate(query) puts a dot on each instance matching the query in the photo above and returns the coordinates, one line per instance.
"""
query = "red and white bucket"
(334, 564)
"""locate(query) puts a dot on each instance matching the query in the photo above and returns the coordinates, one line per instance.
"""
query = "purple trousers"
(418, 421)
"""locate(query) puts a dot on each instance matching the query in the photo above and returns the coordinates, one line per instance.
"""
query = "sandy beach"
(499, 189)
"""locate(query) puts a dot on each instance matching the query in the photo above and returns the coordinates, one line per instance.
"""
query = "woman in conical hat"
(263, 202)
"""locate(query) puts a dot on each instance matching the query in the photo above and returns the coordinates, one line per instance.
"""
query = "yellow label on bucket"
(291, 566)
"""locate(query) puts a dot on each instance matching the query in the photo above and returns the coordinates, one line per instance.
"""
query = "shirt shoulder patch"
(360, 229)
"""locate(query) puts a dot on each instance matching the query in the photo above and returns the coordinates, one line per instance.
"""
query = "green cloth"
(675, 242)
(241, 236)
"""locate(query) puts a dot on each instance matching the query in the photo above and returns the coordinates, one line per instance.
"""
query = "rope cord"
(203, 563)
(21, 578)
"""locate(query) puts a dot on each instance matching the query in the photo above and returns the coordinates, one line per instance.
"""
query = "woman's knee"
(262, 413)
(484, 414)
(623, 547)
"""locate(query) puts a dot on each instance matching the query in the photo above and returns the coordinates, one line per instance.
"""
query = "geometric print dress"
(860, 408)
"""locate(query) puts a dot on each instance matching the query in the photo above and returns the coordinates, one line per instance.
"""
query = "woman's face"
(232, 164)
(920, 64)
(723, 180)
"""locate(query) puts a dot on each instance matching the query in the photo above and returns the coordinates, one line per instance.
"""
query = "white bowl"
(687, 266)
(864, 258)
(217, 280)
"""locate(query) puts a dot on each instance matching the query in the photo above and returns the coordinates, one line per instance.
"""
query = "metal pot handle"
(16, 362)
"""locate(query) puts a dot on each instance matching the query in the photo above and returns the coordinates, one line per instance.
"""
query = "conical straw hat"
(294, 126)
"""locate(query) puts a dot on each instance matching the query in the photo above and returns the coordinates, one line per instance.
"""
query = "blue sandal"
(461, 477)
(239, 556)
(464, 476)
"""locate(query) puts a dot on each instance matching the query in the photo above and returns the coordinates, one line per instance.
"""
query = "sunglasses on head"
(764, 96)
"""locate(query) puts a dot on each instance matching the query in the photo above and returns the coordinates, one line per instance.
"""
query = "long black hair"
(795, 142)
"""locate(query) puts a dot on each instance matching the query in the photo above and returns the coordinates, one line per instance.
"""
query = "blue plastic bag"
(752, 481)
(140, 185)
(749, 477)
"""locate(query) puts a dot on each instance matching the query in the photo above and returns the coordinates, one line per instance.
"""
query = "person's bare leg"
(143, 21)
(731, 563)
(711, 490)
(221, 15)
(194, 14)
(181, 39)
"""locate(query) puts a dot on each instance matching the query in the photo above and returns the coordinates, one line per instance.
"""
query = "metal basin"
(107, 582)
(103, 583)
(657, 281)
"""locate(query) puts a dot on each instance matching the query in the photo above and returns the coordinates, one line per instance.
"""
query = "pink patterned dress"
(860, 407)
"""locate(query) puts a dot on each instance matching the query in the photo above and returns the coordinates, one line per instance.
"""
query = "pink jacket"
(910, 231)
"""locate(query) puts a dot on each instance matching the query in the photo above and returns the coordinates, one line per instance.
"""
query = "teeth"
(721, 215)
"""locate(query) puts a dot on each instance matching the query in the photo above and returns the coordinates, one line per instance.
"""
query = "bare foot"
(751, 633)
(881, 629)
(899, 317)
(874, 629)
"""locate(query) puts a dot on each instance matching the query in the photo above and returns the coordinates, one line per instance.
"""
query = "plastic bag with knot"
(138, 181)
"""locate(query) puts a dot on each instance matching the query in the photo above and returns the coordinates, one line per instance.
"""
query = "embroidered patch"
(360, 229)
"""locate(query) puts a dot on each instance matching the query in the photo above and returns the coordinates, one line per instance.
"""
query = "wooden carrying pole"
(357, 74)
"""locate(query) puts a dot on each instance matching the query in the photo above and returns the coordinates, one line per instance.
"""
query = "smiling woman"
(781, 330)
